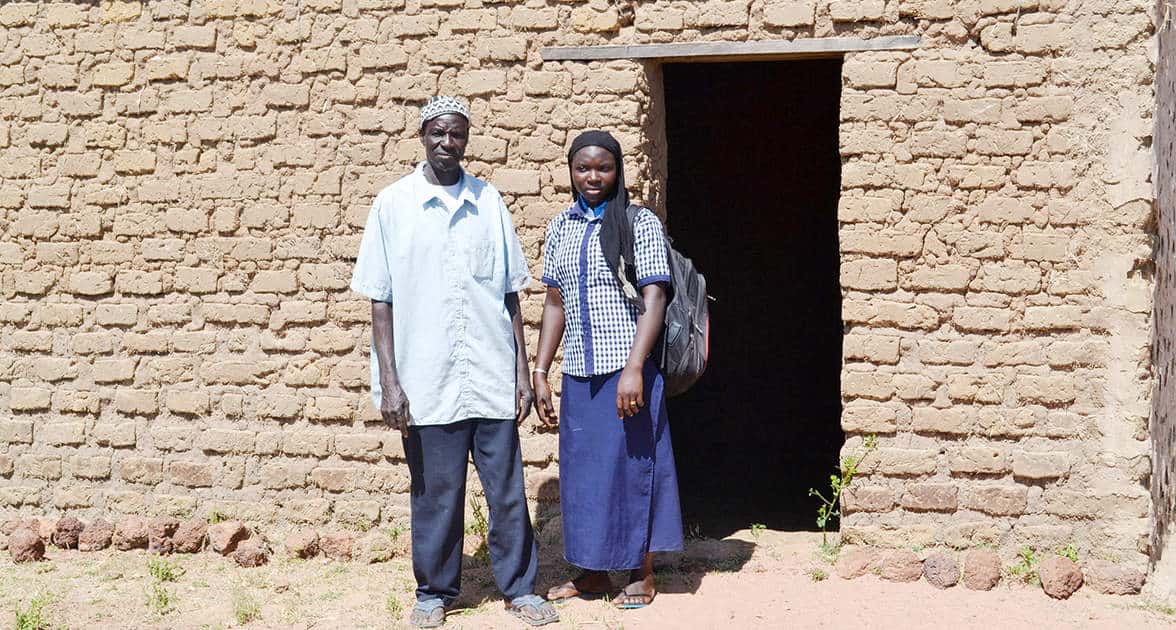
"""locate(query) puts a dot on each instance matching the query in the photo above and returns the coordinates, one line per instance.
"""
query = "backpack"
(685, 341)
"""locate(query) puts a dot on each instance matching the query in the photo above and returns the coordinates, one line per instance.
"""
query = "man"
(443, 266)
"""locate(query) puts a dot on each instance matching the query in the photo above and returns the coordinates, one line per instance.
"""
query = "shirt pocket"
(480, 260)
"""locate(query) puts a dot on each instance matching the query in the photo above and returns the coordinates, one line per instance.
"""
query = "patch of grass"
(757, 529)
(245, 607)
(1069, 551)
(1025, 569)
(694, 532)
(393, 605)
(164, 570)
(817, 574)
(160, 599)
(215, 516)
(1156, 607)
(34, 617)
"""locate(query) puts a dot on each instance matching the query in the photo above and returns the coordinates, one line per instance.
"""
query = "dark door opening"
(753, 181)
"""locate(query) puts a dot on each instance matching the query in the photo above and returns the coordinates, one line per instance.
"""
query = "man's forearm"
(384, 341)
(516, 323)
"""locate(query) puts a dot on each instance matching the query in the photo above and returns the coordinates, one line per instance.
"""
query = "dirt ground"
(767, 580)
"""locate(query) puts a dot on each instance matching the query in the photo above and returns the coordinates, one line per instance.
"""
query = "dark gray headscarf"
(616, 232)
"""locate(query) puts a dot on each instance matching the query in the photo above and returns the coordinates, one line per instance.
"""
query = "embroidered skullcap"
(441, 105)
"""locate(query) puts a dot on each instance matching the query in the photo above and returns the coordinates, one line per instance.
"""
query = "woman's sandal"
(569, 590)
(632, 601)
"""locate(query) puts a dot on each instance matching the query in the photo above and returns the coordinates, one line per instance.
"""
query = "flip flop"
(532, 609)
(645, 600)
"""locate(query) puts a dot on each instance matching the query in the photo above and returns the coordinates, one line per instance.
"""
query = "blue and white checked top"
(599, 323)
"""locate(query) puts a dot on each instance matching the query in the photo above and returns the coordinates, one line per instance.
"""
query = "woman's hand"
(543, 401)
(630, 392)
(394, 408)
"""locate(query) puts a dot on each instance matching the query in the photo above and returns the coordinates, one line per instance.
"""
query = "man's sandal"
(533, 610)
(428, 614)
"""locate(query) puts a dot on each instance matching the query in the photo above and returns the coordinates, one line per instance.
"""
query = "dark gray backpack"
(685, 342)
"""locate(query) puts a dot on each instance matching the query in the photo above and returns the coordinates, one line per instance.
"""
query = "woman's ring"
(633, 403)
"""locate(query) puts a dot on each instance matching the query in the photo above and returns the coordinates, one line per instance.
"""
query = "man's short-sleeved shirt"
(446, 271)
(599, 323)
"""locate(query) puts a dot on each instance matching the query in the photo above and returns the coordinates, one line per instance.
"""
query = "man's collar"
(424, 192)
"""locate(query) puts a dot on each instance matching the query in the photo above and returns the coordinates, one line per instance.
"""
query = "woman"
(606, 297)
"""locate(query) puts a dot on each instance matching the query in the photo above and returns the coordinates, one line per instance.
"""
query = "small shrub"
(829, 552)
(757, 529)
(215, 516)
(163, 570)
(33, 617)
(245, 608)
(830, 506)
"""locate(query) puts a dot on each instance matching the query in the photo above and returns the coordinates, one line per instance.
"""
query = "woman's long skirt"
(618, 486)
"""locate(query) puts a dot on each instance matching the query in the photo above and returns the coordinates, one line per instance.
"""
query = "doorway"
(751, 196)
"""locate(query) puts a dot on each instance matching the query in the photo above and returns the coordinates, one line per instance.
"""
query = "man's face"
(445, 139)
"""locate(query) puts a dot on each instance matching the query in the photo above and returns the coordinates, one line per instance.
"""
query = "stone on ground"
(96, 536)
(67, 532)
(941, 570)
(337, 545)
(1060, 577)
(1112, 579)
(224, 537)
(375, 546)
(190, 536)
(981, 569)
(25, 545)
(251, 553)
(302, 543)
(901, 565)
(855, 562)
(159, 534)
(131, 533)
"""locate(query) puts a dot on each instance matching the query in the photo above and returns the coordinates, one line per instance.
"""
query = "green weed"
(831, 506)
(817, 574)
(829, 553)
(480, 527)
(160, 599)
(1025, 569)
(215, 516)
(34, 617)
(757, 529)
(393, 605)
(245, 608)
(164, 570)
(1069, 551)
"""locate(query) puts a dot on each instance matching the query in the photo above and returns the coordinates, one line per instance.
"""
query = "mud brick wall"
(184, 184)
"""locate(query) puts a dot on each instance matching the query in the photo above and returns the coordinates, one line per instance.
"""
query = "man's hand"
(543, 404)
(394, 409)
(524, 398)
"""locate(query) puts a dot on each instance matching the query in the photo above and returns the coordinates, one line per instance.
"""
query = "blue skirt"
(617, 484)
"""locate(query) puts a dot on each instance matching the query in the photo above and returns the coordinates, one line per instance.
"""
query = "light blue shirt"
(446, 271)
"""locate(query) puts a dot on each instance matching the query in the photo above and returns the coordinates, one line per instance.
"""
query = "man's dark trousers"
(437, 460)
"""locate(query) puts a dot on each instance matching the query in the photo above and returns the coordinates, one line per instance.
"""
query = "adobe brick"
(930, 497)
(997, 500)
(146, 470)
(978, 459)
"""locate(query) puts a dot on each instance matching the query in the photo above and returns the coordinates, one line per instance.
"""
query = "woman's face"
(594, 173)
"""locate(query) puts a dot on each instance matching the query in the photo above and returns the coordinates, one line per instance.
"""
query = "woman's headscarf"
(616, 232)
